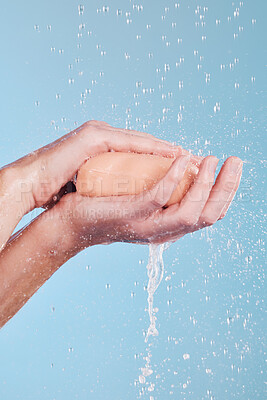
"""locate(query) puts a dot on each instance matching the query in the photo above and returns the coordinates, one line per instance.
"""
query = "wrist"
(16, 190)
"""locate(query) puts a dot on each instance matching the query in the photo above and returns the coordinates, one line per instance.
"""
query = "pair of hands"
(37, 180)
(71, 222)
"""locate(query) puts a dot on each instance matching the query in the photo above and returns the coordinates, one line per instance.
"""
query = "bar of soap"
(118, 173)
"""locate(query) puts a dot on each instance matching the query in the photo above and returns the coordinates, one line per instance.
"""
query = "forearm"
(30, 258)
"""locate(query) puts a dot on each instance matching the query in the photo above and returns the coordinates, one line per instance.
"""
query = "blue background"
(121, 62)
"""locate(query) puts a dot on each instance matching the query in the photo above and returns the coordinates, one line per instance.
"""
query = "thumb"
(149, 201)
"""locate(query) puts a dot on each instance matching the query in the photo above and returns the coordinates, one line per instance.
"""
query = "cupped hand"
(143, 218)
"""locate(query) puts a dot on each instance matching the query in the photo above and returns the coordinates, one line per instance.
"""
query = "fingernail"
(212, 164)
(236, 166)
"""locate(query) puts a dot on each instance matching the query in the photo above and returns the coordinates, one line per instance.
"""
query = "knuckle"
(93, 122)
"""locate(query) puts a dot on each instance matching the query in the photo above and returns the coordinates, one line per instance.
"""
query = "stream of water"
(155, 271)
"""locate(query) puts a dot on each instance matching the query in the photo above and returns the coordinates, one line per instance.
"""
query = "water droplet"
(119, 12)
(151, 387)
(179, 117)
(81, 9)
(166, 67)
(208, 371)
(107, 286)
(37, 28)
(142, 379)
(88, 267)
(70, 350)
(37, 103)
(49, 28)
(236, 13)
(186, 356)
(217, 107)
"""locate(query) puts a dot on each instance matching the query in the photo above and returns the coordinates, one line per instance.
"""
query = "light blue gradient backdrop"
(75, 339)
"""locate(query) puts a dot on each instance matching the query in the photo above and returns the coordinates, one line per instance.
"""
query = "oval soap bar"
(118, 173)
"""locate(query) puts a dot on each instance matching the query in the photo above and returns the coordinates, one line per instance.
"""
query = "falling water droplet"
(80, 9)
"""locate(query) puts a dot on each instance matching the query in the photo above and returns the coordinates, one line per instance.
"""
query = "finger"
(137, 133)
(190, 208)
(126, 142)
(223, 191)
(148, 135)
(154, 199)
(231, 197)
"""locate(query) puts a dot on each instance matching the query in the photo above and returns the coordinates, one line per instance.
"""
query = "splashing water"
(155, 271)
